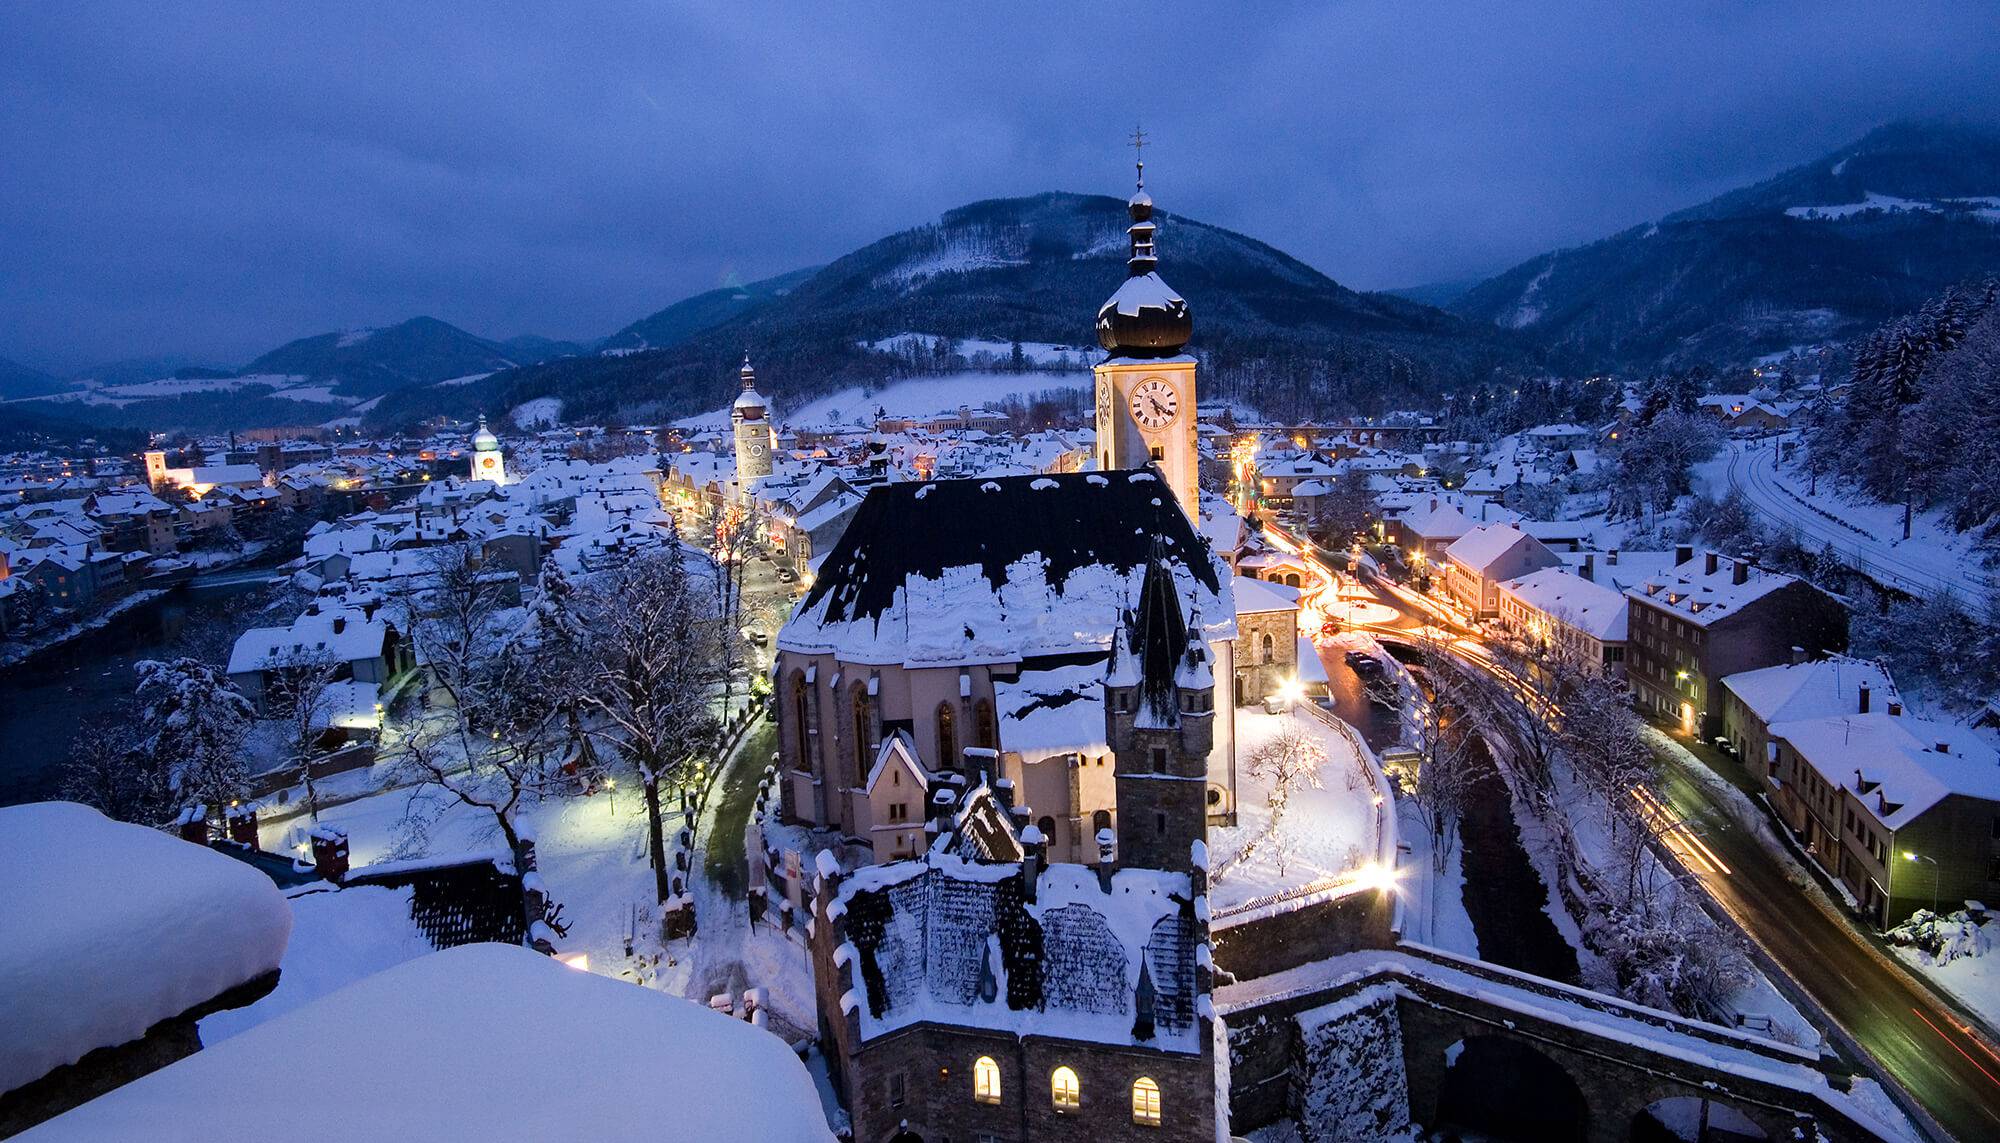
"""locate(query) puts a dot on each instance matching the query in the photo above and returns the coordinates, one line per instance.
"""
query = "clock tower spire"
(1146, 383)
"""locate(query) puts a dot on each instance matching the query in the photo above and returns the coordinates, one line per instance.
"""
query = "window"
(800, 731)
(985, 1080)
(986, 732)
(1266, 647)
(1145, 1102)
(862, 725)
(1064, 1090)
(1157, 452)
(947, 733)
(898, 1090)
(898, 812)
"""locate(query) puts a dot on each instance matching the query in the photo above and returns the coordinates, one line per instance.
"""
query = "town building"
(1477, 563)
(1712, 616)
(488, 462)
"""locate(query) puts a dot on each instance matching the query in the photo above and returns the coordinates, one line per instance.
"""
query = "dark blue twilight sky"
(212, 179)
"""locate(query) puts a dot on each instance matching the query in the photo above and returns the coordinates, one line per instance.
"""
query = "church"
(973, 621)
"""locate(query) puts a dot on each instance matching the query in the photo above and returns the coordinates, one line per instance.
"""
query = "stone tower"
(1146, 386)
(1159, 716)
(755, 443)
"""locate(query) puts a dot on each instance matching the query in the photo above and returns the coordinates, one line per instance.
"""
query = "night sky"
(211, 180)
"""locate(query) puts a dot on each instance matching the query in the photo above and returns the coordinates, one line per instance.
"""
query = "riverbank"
(19, 652)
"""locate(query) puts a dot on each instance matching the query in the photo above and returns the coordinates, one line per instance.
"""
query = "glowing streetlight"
(1916, 857)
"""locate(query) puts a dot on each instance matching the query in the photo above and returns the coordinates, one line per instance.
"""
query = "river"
(45, 700)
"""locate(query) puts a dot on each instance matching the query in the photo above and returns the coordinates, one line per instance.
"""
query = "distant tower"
(488, 462)
(1159, 718)
(1145, 387)
(156, 469)
(755, 442)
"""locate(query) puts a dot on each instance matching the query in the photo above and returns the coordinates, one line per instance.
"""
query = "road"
(1915, 1038)
(1917, 569)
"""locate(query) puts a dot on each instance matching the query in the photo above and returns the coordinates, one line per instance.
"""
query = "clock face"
(486, 462)
(756, 450)
(1154, 403)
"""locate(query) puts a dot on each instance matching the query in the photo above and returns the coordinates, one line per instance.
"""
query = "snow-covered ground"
(1866, 533)
(1039, 353)
(1974, 980)
(1326, 831)
(541, 412)
(918, 397)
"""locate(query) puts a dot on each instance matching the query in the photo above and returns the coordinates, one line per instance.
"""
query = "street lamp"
(1914, 857)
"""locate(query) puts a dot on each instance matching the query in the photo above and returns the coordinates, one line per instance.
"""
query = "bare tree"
(1290, 760)
(1440, 737)
(653, 672)
(729, 536)
(106, 769)
(299, 691)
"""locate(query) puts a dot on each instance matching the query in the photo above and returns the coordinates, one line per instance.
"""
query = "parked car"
(1362, 662)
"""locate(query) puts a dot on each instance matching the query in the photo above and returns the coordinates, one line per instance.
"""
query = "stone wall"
(1288, 939)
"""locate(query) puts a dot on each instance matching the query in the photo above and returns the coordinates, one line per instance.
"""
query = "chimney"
(1611, 558)
(339, 624)
(1034, 855)
(1742, 572)
(242, 825)
(1683, 553)
(193, 825)
(1944, 748)
(1434, 503)
(329, 850)
(1589, 566)
(1708, 563)
(1864, 699)
(1798, 654)
(1895, 709)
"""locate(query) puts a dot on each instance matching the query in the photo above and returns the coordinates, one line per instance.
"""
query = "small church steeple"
(1159, 715)
(750, 418)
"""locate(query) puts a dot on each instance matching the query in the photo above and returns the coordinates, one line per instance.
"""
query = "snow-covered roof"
(1598, 611)
(1892, 764)
(112, 928)
(998, 570)
(478, 1043)
(1478, 549)
(1817, 688)
(944, 933)
(340, 635)
(1702, 597)
(1256, 595)
(1052, 711)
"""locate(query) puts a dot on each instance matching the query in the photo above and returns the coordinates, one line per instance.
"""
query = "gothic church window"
(987, 732)
(947, 735)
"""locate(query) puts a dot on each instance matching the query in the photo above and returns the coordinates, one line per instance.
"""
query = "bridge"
(1370, 1044)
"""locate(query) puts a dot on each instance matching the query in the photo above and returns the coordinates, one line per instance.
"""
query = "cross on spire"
(1139, 152)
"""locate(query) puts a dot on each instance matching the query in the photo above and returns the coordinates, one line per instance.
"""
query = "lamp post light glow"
(1913, 858)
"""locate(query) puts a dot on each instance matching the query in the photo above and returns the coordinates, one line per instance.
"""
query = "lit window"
(1146, 1102)
(1064, 1090)
(986, 1080)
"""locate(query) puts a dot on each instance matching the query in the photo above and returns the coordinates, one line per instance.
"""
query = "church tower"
(1145, 387)
(755, 442)
(488, 462)
(1159, 719)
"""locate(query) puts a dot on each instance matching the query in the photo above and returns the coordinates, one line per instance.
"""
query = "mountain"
(372, 362)
(1821, 252)
(1022, 269)
(17, 380)
(1439, 294)
(704, 311)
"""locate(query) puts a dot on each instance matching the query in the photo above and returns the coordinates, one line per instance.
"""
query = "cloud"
(213, 179)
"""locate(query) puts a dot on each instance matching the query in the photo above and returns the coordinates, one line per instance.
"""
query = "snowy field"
(1325, 831)
(920, 397)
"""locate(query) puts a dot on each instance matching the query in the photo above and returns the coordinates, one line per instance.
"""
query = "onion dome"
(484, 440)
(749, 398)
(1144, 317)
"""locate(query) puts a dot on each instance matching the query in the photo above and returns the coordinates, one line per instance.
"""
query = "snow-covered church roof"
(998, 570)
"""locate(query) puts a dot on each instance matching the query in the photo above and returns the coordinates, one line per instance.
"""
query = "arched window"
(986, 732)
(801, 733)
(861, 732)
(985, 1080)
(947, 732)
(1267, 647)
(1065, 1091)
(1145, 1102)
(1048, 827)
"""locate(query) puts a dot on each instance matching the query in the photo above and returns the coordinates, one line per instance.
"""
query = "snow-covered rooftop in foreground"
(478, 1043)
(111, 928)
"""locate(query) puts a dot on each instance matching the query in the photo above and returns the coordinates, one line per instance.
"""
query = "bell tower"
(750, 418)
(1159, 719)
(488, 461)
(1146, 383)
